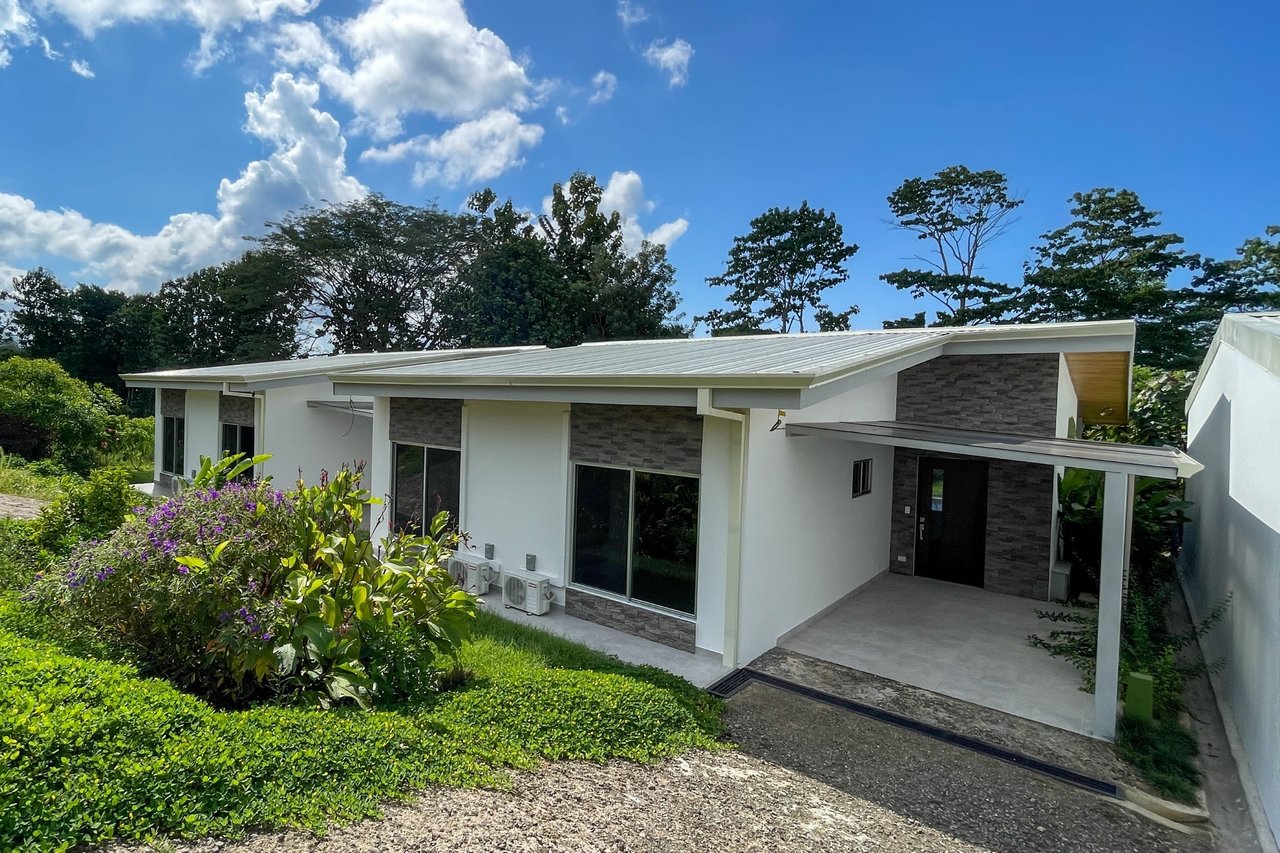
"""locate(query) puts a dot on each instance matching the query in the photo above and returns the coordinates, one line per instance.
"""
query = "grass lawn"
(28, 484)
(91, 751)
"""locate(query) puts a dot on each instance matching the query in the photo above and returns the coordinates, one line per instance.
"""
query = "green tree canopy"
(778, 272)
(375, 275)
(1111, 262)
(956, 213)
(44, 411)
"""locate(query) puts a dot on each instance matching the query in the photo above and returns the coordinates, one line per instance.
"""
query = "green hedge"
(90, 751)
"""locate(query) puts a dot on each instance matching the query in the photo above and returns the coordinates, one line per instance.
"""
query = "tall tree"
(243, 310)
(1111, 262)
(42, 313)
(957, 213)
(377, 275)
(1248, 282)
(615, 294)
(564, 277)
(780, 270)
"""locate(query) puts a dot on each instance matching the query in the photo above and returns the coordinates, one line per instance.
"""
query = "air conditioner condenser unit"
(471, 574)
(527, 591)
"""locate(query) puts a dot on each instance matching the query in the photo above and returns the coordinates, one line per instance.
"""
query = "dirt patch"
(1057, 746)
(12, 506)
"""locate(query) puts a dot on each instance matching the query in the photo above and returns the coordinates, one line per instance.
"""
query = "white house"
(726, 495)
(1233, 548)
(286, 408)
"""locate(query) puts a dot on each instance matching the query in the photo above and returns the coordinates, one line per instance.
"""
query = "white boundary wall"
(1233, 548)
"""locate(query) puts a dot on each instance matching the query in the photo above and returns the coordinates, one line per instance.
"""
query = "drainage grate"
(731, 683)
(740, 678)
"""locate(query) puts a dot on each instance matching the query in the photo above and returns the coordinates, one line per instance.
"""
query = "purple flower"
(266, 637)
(183, 570)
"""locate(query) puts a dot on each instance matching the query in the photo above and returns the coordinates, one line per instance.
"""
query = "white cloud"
(562, 113)
(301, 44)
(423, 56)
(79, 66)
(603, 85)
(209, 16)
(17, 29)
(307, 166)
(671, 57)
(474, 151)
(631, 13)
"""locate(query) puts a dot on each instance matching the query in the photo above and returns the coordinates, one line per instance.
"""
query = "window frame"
(457, 520)
(571, 583)
(171, 440)
(862, 481)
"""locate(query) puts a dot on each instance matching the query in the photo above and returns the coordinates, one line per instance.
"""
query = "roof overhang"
(1252, 335)
(1166, 463)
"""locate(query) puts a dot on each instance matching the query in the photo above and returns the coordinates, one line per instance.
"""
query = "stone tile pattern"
(1005, 393)
(424, 421)
(235, 410)
(636, 621)
(173, 403)
(659, 438)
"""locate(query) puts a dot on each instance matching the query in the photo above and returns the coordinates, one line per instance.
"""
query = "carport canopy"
(1120, 463)
(1166, 463)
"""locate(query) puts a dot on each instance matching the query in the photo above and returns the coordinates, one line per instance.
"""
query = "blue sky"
(203, 118)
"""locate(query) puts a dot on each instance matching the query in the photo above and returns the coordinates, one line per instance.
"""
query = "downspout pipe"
(733, 551)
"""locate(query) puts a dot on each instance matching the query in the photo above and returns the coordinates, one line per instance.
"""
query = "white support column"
(378, 474)
(1116, 499)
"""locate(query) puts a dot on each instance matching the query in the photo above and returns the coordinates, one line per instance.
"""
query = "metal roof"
(300, 369)
(1162, 462)
(756, 361)
(1256, 336)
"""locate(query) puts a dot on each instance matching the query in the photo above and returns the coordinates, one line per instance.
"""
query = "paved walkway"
(12, 506)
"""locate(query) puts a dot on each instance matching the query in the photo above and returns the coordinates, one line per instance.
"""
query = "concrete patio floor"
(700, 668)
(952, 639)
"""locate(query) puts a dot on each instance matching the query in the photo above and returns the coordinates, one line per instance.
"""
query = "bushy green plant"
(91, 752)
(18, 553)
(130, 441)
(237, 591)
(59, 416)
(86, 509)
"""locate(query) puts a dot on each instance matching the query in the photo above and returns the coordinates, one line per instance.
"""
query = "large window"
(173, 445)
(635, 534)
(426, 483)
(238, 439)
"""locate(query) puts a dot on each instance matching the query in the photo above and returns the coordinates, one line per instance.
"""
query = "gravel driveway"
(808, 777)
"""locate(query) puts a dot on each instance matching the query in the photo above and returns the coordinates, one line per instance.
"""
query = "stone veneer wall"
(173, 403)
(660, 438)
(424, 421)
(235, 410)
(1004, 393)
(636, 621)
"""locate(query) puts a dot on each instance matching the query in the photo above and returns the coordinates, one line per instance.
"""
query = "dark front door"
(951, 519)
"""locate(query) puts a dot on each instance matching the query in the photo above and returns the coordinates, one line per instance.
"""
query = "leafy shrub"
(62, 416)
(18, 553)
(237, 591)
(86, 509)
(130, 441)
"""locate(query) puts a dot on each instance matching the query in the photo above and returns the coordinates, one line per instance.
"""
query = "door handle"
(921, 527)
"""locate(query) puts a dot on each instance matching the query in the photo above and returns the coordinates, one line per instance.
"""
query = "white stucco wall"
(713, 532)
(1068, 409)
(1233, 548)
(308, 439)
(204, 436)
(806, 541)
(516, 479)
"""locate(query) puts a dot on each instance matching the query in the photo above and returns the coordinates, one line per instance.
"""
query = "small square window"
(861, 478)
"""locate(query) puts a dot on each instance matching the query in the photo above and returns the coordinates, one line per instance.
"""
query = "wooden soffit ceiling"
(1102, 385)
